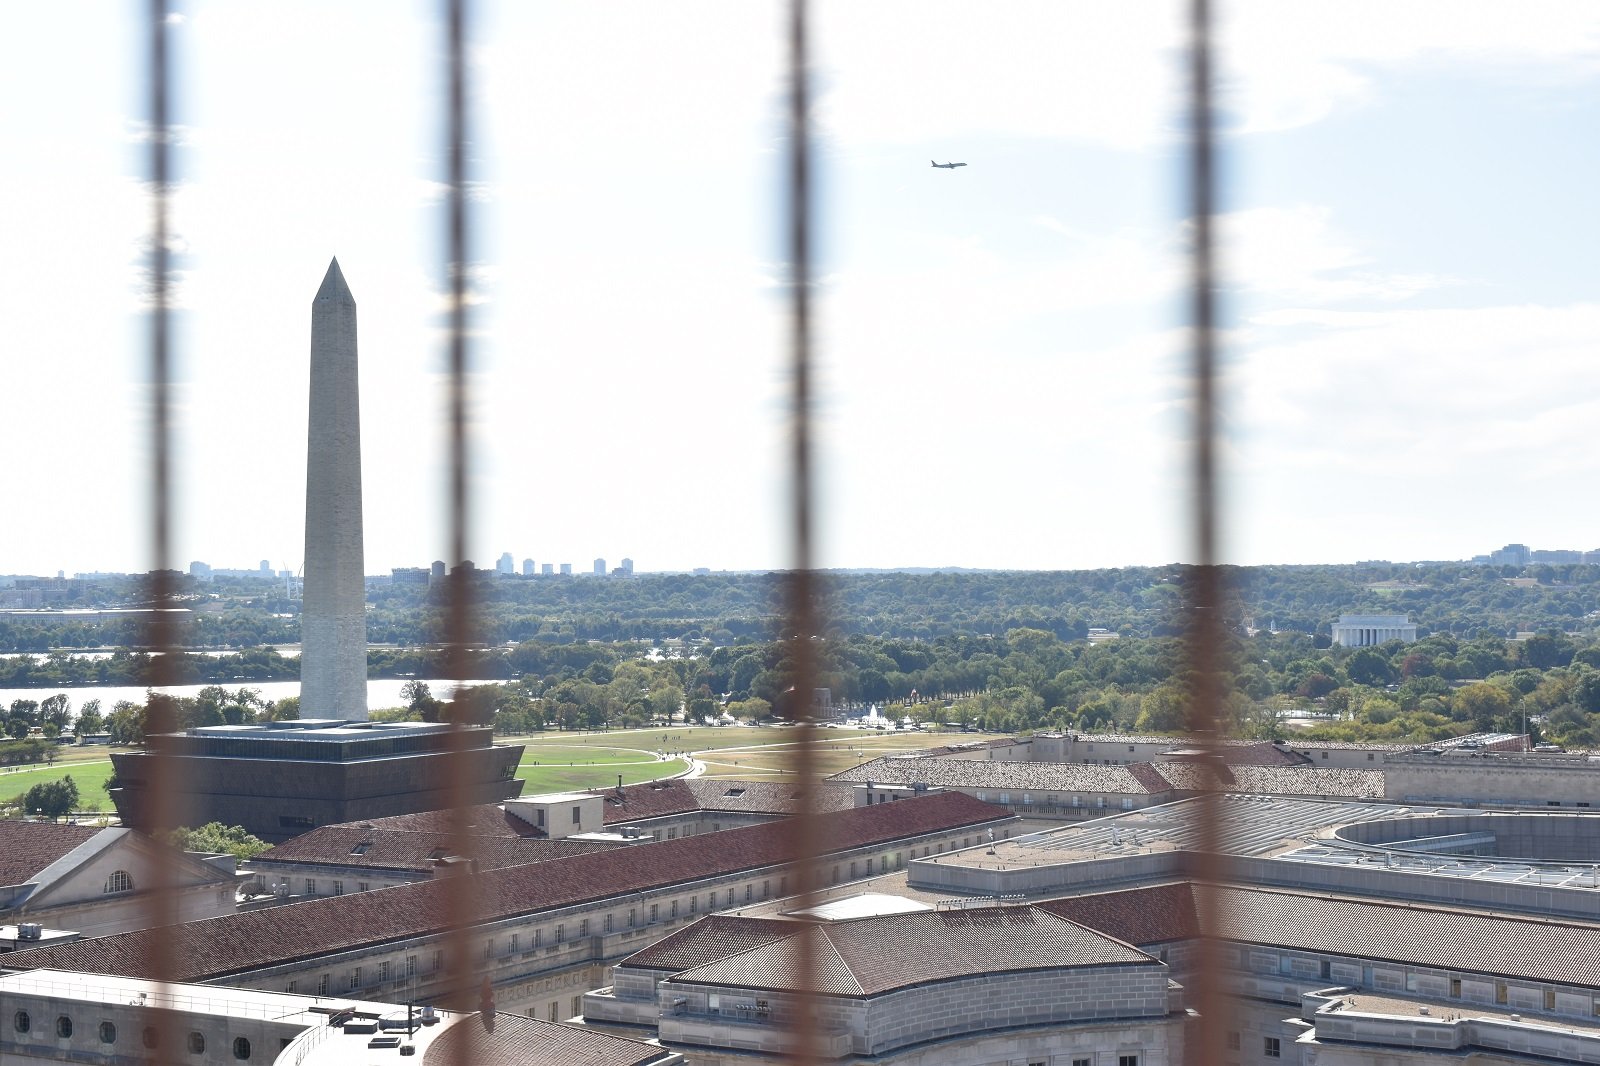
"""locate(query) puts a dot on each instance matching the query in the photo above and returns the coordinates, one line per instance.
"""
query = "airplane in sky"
(947, 166)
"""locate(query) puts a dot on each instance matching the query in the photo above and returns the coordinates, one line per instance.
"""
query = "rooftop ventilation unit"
(29, 930)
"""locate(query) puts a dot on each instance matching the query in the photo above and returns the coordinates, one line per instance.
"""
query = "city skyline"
(1001, 348)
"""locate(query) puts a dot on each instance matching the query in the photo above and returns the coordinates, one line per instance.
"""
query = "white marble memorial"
(333, 621)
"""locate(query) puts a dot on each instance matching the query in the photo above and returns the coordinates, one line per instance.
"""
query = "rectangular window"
(1233, 1040)
(311, 886)
(694, 904)
(766, 890)
(322, 985)
(1501, 993)
(852, 871)
(488, 948)
(561, 933)
(338, 888)
(1549, 999)
(749, 890)
(1081, 1062)
(1272, 1048)
(655, 913)
(1455, 987)
(383, 971)
(1127, 1060)
(674, 908)
(516, 944)
(583, 927)
(577, 815)
(577, 1006)
(355, 977)
(438, 962)
(363, 886)
(632, 918)
(609, 922)
(411, 966)
(552, 1012)
(290, 986)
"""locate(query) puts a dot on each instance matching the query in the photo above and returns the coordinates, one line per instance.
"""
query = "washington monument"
(333, 620)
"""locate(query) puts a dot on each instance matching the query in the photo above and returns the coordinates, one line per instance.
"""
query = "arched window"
(63, 1026)
(197, 1043)
(241, 1048)
(119, 881)
(21, 1022)
(108, 1033)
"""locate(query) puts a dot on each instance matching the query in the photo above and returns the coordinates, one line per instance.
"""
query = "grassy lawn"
(544, 778)
(88, 776)
(731, 751)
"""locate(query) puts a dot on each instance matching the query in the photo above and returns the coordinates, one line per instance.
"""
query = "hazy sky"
(1411, 230)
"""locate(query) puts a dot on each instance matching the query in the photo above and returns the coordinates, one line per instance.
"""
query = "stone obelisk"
(333, 621)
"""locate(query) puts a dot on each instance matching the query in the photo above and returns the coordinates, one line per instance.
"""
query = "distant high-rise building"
(599, 568)
(1511, 555)
(200, 571)
(566, 568)
(266, 567)
(437, 570)
(506, 565)
(409, 575)
(547, 569)
(527, 568)
(627, 567)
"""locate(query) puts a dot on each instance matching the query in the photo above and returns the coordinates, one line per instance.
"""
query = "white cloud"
(1295, 254)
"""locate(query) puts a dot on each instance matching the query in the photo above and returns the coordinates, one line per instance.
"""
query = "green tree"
(1161, 710)
(214, 838)
(1369, 667)
(52, 799)
(55, 710)
(1482, 704)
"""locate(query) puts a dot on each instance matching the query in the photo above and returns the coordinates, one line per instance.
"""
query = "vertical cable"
(160, 897)
(1205, 633)
(461, 898)
(801, 601)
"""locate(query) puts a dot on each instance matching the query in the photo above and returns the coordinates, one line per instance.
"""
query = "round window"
(108, 1033)
(21, 1022)
(63, 1027)
(241, 1048)
(197, 1043)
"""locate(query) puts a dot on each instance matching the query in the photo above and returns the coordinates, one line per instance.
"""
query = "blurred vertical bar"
(805, 845)
(160, 898)
(460, 629)
(1205, 633)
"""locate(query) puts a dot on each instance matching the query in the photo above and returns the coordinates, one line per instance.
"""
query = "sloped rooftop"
(871, 956)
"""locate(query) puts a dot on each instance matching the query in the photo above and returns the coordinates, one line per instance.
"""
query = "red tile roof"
(389, 849)
(252, 940)
(26, 848)
(1152, 915)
